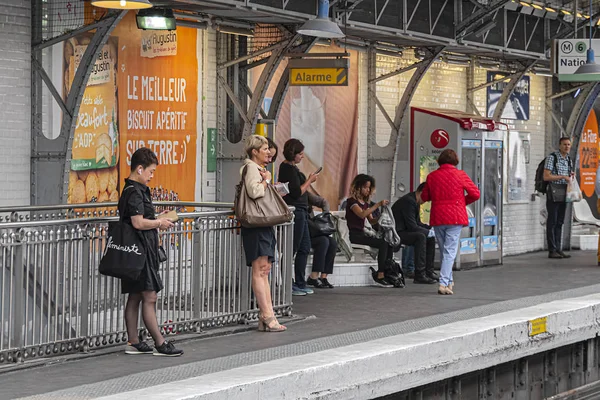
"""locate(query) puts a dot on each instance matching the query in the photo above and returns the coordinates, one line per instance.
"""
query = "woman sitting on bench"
(357, 210)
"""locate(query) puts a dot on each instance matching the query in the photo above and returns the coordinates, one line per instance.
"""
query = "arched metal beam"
(402, 110)
(263, 84)
(284, 82)
(78, 86)
(577, 120)
(509, 89)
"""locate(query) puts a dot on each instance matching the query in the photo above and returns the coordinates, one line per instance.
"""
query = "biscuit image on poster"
(91, 188)
(113, 179)
(72, 180)
(102, 197)
(78, 193)
(103, 176)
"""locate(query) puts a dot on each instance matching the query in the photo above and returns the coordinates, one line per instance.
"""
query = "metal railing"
(54, 301)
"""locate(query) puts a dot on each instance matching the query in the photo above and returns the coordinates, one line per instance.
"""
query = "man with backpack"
(558, 172)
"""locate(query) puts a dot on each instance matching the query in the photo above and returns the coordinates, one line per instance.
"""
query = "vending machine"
(479, 143)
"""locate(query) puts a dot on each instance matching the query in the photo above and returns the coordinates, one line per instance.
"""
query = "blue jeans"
(301, 246)
(408, 259)
(448, 238)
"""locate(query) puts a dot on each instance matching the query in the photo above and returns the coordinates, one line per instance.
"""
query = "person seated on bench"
(324, 247)
(357, 210)
(413, 232)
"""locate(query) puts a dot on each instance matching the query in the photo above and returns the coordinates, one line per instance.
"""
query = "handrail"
(9, 209)
(55, 301)
(84, 221)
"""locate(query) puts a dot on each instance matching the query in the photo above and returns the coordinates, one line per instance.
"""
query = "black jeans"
(385, 254)
(424, 251)
(554, 223)
(324, 248)
(301, 246)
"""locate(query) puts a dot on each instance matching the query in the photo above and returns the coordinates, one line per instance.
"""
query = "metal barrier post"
(245, 291)
(288, 253)
(88, 236)
(196, 260)
(18, 295)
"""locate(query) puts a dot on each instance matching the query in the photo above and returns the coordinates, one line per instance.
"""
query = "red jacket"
(445, 188)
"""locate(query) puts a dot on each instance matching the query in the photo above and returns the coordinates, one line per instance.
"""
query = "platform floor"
(330, 319)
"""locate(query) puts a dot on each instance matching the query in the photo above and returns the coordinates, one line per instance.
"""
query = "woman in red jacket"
(445, 188)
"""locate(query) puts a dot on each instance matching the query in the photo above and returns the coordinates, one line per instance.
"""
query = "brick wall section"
(521, 222)
(15, 105)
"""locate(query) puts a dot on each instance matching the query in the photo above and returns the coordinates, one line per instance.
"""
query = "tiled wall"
(522, 229)
(15, 103)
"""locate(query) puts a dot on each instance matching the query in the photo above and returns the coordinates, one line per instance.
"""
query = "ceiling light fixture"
(322, 26)
(159, 19)
(590, 66)
(122, 4)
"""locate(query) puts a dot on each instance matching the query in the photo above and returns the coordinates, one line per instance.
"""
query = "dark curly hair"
(358, 183)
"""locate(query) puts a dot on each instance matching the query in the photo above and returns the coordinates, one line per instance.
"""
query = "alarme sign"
(570, 54)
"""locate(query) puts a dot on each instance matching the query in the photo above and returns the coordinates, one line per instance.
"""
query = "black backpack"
(541, 186)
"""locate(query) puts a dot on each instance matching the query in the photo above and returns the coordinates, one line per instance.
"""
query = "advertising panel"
(518, 102)
(142, 92)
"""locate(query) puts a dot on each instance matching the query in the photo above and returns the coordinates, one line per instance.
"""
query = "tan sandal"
(263, 325)
(444, 290)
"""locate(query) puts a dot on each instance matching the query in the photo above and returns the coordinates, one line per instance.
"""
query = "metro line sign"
(570, 54)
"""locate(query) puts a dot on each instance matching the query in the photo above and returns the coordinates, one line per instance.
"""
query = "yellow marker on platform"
(537, 326)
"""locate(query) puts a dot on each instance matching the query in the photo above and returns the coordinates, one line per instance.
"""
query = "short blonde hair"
(254, 142)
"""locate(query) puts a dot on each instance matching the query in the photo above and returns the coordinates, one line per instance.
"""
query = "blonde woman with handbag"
(259, 242)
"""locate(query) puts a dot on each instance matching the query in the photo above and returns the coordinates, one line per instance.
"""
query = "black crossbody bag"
(558, 191)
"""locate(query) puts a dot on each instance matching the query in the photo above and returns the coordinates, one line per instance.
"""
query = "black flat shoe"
(326, 283)
(425, 280)
(316, 283)
(564, 255)
(554, 254)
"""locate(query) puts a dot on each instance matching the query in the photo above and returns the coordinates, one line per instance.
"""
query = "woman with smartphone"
(298, 184)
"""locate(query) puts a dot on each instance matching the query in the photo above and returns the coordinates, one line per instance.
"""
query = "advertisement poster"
(517, 106)
(427, 164)
(588, 155)
(143, 92)
(95, 152)
(325, 119)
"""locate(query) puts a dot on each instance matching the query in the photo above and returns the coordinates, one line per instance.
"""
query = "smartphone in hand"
(317, 172)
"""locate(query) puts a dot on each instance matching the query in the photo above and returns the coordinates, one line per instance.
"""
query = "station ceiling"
(411, 23)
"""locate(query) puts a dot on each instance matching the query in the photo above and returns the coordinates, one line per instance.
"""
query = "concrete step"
(585, 242)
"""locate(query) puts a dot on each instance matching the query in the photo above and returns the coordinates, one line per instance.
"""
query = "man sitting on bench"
(415, 233)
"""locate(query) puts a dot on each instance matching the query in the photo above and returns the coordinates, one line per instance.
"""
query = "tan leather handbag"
(269, 210)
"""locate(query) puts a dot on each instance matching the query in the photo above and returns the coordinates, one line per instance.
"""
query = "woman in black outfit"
(324, 250)
(359, 208)
(293, 152)
(136, 208)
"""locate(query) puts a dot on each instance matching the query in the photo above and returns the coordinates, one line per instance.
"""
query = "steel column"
(263, 84)
(284, 81)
